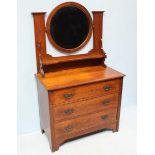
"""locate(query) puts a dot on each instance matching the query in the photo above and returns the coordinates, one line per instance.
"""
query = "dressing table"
(77, 94)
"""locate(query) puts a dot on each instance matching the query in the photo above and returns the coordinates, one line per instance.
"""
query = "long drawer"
(73, 126)
(73, 110)
(85, 92)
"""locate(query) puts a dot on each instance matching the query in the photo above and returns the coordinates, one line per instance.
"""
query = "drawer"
(71, 110)
(80, 93)
(73, 126)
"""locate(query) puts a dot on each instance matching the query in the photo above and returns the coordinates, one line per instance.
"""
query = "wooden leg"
(55, 148)
(42, 131)
(115, 128)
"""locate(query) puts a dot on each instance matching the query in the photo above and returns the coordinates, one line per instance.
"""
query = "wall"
(119, 41)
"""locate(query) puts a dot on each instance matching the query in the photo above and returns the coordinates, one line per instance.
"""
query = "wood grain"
(40, 40)
(77, 76)
(86, 132)
(44, 111)
(76, 109)
(72, 126)
(84, 93)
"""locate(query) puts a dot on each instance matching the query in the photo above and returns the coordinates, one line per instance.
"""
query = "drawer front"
(71, 127)
(69, 111)
(80, 93)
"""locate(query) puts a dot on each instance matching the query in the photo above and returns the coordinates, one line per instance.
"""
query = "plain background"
(119, 42)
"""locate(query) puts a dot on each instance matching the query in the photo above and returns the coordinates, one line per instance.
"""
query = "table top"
(77, 76)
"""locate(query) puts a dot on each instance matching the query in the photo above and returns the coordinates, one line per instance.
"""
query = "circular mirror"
(69, 27)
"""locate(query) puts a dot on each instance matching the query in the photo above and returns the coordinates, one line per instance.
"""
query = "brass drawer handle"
(68, 96)
(68, 111)
(106, 102)
(107, 88)
(104, 117)
(68, 128)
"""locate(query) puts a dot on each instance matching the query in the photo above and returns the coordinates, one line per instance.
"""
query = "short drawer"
(73, 126)
(80, 93)
(71, 110)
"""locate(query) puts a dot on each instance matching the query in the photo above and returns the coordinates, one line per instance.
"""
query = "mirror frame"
(48, 23)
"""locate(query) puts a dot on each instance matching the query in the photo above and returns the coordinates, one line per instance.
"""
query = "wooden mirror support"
(77, 94)
(47, 63)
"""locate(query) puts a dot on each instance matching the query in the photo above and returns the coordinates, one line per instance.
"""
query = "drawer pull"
(107, 88)
(104, 117)
(68, 111)
(106, 102)
(68, 128)
(68, 96)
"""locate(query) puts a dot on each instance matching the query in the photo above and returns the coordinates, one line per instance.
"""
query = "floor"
(103, 143)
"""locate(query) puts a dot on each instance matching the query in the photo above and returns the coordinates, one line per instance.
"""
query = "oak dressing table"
(77, 94)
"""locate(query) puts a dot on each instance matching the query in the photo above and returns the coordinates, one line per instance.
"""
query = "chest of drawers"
(80, 101)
